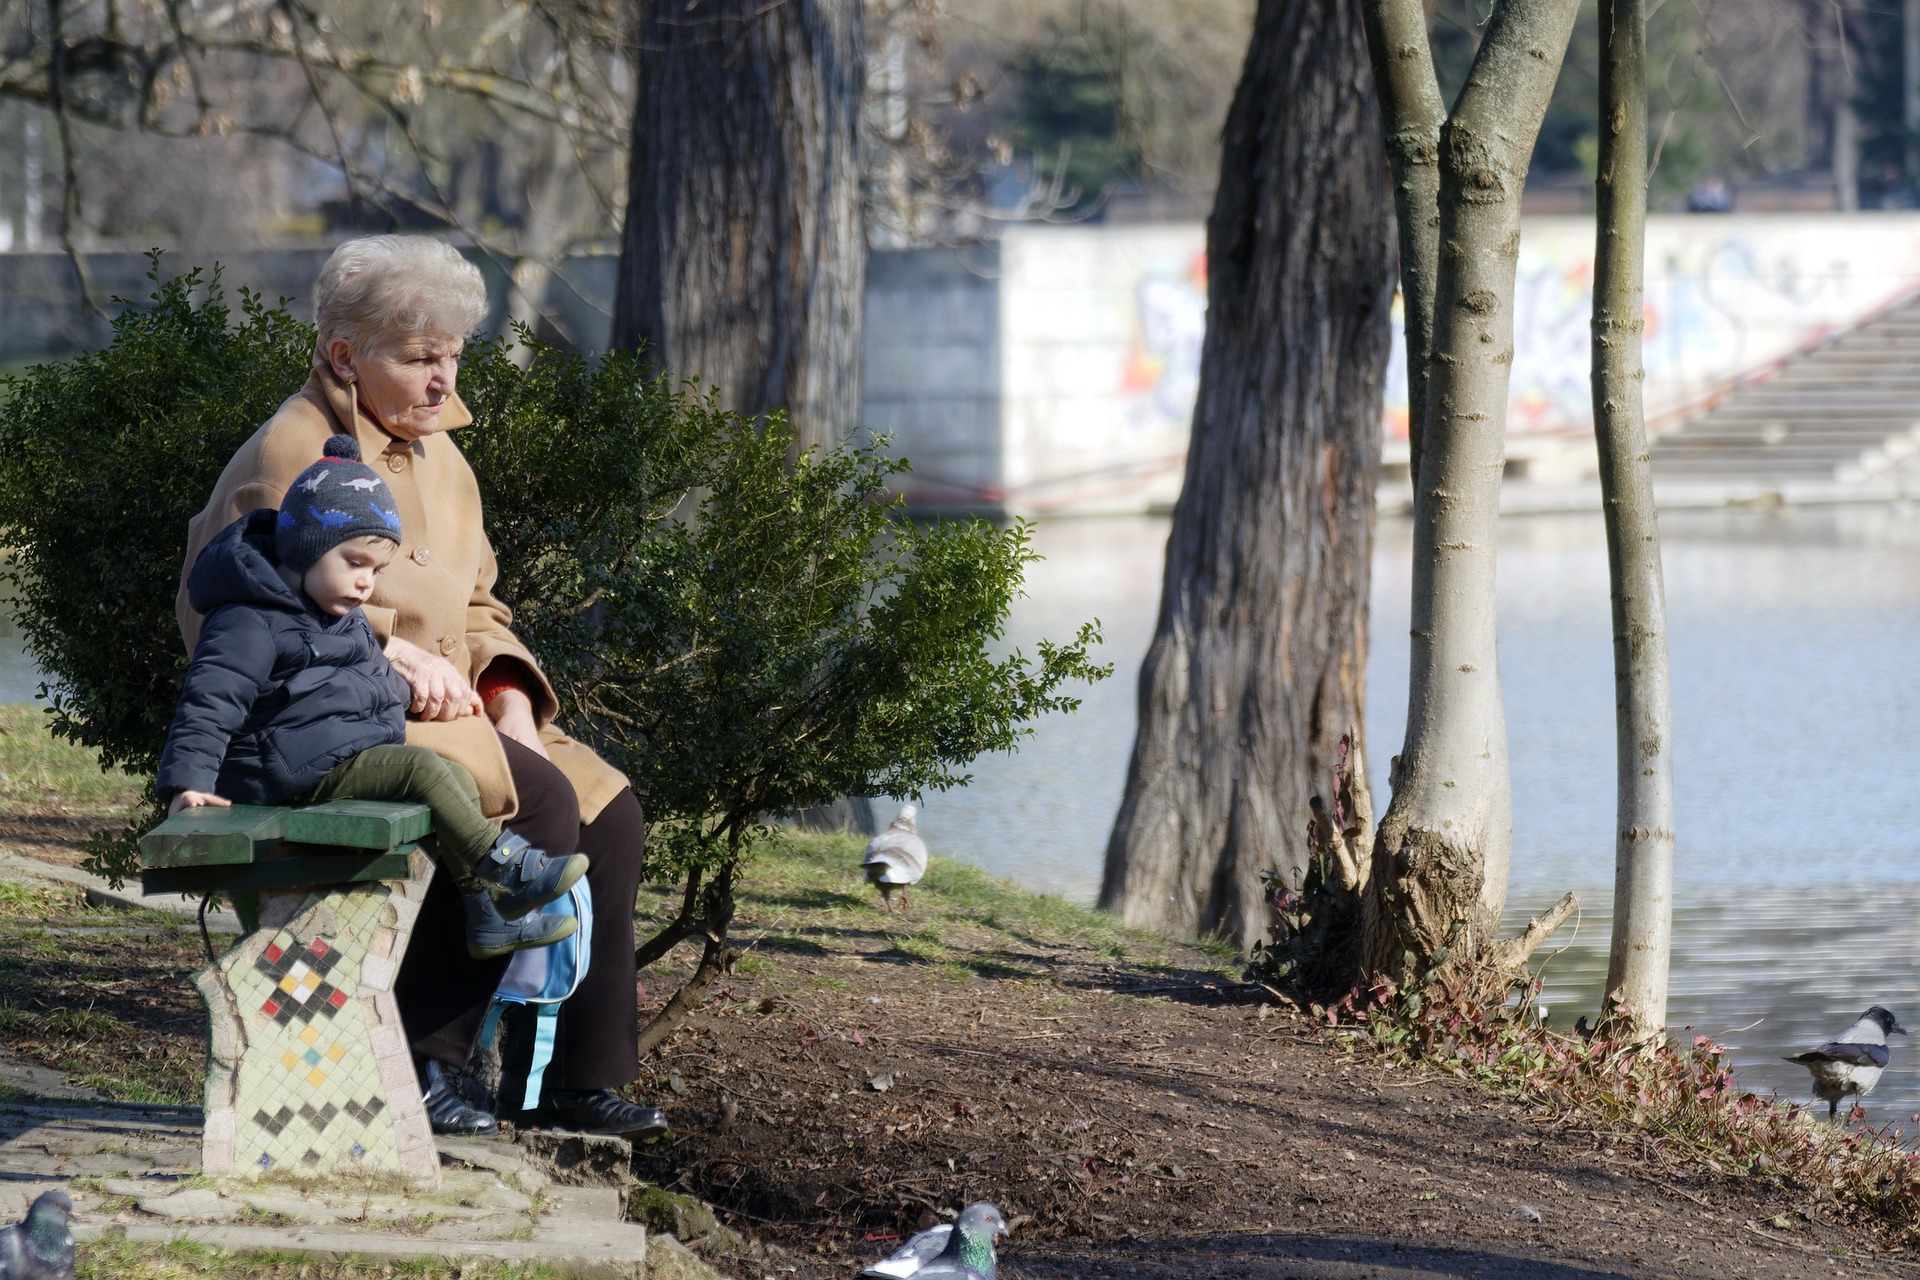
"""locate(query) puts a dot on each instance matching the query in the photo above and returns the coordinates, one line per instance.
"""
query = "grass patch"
(803, 895)
(116, 1258)
(38, 903)
(39, 772)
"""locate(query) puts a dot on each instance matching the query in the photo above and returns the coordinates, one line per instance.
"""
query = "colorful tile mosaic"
(306, 1082)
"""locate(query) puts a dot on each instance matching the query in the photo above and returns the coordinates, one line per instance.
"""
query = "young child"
(290, 699)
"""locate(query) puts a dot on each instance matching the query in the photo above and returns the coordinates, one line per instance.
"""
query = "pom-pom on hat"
(337, 498)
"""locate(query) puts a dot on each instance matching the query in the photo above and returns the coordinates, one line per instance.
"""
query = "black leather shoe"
(447, 1111)
(603, 1111)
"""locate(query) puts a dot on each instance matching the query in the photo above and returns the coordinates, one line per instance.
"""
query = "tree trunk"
(1442, 856)
(1258, 660)
(743, 262)
(1410, 100)
(1643, 710)
(551, 191)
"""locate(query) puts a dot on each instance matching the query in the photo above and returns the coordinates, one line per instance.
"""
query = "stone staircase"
(1843, 413)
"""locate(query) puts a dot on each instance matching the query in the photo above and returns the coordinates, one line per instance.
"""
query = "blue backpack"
(544, 977)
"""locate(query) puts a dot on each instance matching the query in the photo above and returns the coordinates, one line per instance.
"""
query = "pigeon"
(41, 1246)
(916, 1253)
(1852, 1062)
(963, 1251)
(896, 858)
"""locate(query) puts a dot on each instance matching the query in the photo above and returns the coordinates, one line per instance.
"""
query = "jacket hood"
(238, 568)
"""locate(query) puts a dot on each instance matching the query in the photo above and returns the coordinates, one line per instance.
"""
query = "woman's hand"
(512, 714)
(439, 690)
(194, 799)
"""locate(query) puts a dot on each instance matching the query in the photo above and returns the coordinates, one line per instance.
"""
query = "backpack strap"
(546, 1025)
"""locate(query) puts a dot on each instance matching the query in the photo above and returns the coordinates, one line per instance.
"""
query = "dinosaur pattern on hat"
(337, 498)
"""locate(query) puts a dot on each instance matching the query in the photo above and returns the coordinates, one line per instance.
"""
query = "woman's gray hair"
(380, 288)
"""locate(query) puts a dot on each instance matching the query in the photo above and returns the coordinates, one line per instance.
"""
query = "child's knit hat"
(337, 498)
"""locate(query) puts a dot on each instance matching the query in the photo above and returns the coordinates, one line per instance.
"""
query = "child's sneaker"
(489, 934)
(521, 877)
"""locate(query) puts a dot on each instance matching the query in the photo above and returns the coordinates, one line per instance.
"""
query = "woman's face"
(404, 383)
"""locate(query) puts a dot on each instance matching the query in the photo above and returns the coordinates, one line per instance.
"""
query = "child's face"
(342, 580)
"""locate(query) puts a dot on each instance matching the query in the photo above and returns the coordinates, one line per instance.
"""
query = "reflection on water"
(1797, 745)
(1769, 972)
(19, 680)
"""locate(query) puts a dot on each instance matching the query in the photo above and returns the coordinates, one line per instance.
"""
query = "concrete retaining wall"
(1055, 369)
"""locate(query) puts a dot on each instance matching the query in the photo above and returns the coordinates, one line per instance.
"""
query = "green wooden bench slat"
(316, 868)
(206, 836)
(359, 824)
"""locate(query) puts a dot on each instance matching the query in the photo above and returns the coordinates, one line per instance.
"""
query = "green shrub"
(741, 633)
(744, 634)
(104, 459)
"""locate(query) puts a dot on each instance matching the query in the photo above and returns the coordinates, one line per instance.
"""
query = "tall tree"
(1257, 666)
(399, 98)
(743, 261)
(1440, 863)
(1643, 705)
(1413, 111)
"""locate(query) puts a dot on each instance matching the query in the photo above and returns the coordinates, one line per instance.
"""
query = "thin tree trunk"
(543, 241)
(1643, 710)
(1410, 100)
(1257, 665)
(716, 956)
(743, 262)
(1442, 857)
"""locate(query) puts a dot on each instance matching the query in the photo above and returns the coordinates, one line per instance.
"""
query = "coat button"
(447, 645)
(396, 462)
(419, 555)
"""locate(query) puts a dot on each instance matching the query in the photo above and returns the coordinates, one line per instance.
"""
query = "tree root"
(1510, 955)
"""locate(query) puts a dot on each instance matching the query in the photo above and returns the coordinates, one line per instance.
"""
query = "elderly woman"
(392, 312)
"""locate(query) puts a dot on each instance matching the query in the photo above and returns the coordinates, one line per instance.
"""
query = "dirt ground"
(1159, 1123)
(1134, 1109)
(49, 837)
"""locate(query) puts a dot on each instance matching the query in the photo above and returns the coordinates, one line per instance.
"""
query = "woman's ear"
(340, 356)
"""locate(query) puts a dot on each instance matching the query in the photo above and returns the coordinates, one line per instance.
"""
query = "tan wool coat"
(437, 593)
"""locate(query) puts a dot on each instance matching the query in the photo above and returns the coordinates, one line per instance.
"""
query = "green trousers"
(415, 775)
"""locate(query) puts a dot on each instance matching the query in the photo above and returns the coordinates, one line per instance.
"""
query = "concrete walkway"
(134, 1171)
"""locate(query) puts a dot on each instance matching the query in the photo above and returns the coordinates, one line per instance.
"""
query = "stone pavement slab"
(134, 1170)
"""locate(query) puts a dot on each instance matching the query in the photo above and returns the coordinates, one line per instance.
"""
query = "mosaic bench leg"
(308, 1071)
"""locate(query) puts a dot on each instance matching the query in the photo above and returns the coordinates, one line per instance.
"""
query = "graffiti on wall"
(1161, 376)
(1724, 298)
(1101, 330)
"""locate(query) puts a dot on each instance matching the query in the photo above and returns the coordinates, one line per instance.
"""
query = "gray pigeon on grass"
(41, 1246)
(963, 1251)
(896, 858)
(1852, 1062)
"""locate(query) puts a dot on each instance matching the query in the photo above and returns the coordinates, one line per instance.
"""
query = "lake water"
(1797, 748)
(1795, 640)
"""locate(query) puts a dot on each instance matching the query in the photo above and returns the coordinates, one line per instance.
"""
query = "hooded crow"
(1852, 1062)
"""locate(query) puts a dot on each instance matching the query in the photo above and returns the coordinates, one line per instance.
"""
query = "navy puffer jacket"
(278, 692)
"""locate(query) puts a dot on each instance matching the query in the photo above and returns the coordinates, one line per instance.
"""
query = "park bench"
(308, 1070)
